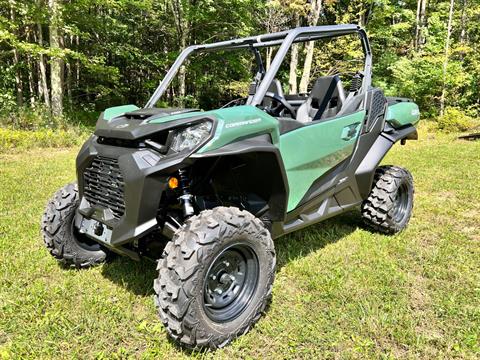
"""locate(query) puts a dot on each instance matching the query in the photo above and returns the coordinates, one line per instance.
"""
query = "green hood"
(231, 123)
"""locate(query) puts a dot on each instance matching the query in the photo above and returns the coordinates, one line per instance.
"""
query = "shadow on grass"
(303, 242)
(137, 277)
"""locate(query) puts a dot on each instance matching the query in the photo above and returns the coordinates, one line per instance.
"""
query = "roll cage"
(285, 39)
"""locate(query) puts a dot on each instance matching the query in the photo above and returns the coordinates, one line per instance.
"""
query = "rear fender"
(402, 112)
(389, 136)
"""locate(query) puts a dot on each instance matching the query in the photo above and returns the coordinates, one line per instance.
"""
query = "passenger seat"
(325, 100)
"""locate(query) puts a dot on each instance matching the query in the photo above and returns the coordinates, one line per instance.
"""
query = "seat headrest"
(319, 102)
(322, 86)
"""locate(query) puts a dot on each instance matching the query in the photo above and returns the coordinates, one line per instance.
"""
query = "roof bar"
(283, 38)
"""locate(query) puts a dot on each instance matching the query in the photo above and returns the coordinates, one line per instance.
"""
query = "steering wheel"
(282, 105)
(235, 102)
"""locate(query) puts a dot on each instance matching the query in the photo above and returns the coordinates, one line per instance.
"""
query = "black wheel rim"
(84, 241)
(230, 283)
(401, 203)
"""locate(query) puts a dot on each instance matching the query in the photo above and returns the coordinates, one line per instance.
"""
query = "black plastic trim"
(260, 145)
(127, 129)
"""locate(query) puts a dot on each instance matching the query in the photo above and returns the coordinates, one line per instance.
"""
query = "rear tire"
(215, 277)
(389, 205)
(62, 238)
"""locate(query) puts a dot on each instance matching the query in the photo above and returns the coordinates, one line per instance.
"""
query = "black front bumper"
(144, 172)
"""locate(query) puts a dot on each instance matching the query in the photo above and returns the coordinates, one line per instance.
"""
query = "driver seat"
(325, 100)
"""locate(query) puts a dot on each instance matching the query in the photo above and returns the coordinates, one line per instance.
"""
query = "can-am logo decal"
(242, 123)
(121, 126)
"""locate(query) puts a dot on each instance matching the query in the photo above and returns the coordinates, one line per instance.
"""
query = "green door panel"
(112, 112)
(310, 151)
(403, 113)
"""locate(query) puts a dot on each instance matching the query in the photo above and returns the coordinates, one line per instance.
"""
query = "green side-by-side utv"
(208, 191)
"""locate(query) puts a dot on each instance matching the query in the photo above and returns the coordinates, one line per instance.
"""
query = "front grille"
(104, 186)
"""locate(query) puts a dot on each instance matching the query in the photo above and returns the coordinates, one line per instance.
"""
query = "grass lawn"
(340, 291)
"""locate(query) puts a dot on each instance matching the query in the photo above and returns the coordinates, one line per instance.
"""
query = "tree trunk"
(18, 78)
(77, 65)
(420, 24)
(56, 66)
(463, 26)
(417, 25)
(42, 76)
(182, 27)
(16, 63)
(31, 67)
(68, 83)
(463, 22)
(182, 72)
(268, 58)
(68, 72)
(361, 17)
(463, 30)
(31, 81)
(445, 62)
(307, 67)
(312, 19)
(423, 21)
(292, 77)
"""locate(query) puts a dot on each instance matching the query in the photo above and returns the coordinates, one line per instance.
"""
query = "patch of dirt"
(446, 195)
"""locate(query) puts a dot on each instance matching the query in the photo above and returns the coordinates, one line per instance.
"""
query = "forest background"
(64, 61)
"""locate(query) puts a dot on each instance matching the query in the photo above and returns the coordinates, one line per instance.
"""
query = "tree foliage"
(84, 55)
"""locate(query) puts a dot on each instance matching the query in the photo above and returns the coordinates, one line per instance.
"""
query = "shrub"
(26, 139)
(455, 120)
(25, 128)
(25, 118)
(31, 119)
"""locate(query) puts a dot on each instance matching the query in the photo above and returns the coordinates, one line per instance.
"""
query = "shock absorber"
(356, 82)
(186, 197)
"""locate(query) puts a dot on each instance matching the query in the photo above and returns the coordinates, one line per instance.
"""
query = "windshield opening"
(222, 77)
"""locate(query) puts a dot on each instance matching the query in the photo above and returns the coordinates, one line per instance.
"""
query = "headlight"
(188, 138)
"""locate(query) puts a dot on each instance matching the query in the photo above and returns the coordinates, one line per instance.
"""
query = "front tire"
(389, 205)
(215, 277)
(62, 238)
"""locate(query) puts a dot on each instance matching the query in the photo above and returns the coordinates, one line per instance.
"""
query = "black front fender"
(268, 173)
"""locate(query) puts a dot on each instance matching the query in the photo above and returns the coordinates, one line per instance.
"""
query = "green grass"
(340, 291)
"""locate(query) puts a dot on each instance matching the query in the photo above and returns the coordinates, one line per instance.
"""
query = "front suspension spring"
(186, 197)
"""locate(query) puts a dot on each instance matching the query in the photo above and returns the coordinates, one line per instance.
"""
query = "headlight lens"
(188, 138)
